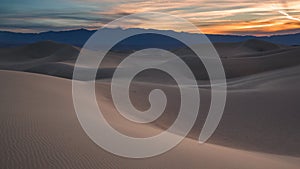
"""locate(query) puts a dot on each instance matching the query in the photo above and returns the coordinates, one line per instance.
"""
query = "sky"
(239, 17)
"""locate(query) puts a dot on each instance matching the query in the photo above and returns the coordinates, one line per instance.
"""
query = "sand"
(259, 128)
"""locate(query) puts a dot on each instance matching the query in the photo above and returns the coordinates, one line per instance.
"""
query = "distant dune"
(239, 59)
(259, 128)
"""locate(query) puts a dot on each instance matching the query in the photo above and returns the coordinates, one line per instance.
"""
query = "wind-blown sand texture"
(259, 128)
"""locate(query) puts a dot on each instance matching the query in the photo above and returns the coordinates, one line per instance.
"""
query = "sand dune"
(259, 128)
(249, 47)
(25, 57)
(239, 59)
(261, 111)
(42, 131)
(39, 50)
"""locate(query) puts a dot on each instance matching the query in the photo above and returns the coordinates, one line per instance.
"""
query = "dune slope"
(40, 130)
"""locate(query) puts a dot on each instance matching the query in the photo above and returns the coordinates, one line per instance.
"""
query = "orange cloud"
(225, 16)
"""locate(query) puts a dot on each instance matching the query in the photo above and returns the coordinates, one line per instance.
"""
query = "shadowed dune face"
(259, 128)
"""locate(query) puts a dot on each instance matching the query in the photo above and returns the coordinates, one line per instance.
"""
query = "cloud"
(284, 10)
(288, 16)
(211, 16)
(223, 16)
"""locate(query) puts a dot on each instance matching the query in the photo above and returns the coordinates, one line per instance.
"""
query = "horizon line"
(91, 30)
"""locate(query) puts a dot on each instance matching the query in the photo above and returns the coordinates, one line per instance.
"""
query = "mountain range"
(79, 36)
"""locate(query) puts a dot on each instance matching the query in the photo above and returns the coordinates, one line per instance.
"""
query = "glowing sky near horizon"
(245, 17)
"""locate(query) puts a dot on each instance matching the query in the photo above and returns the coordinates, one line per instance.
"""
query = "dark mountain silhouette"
(80, 36)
